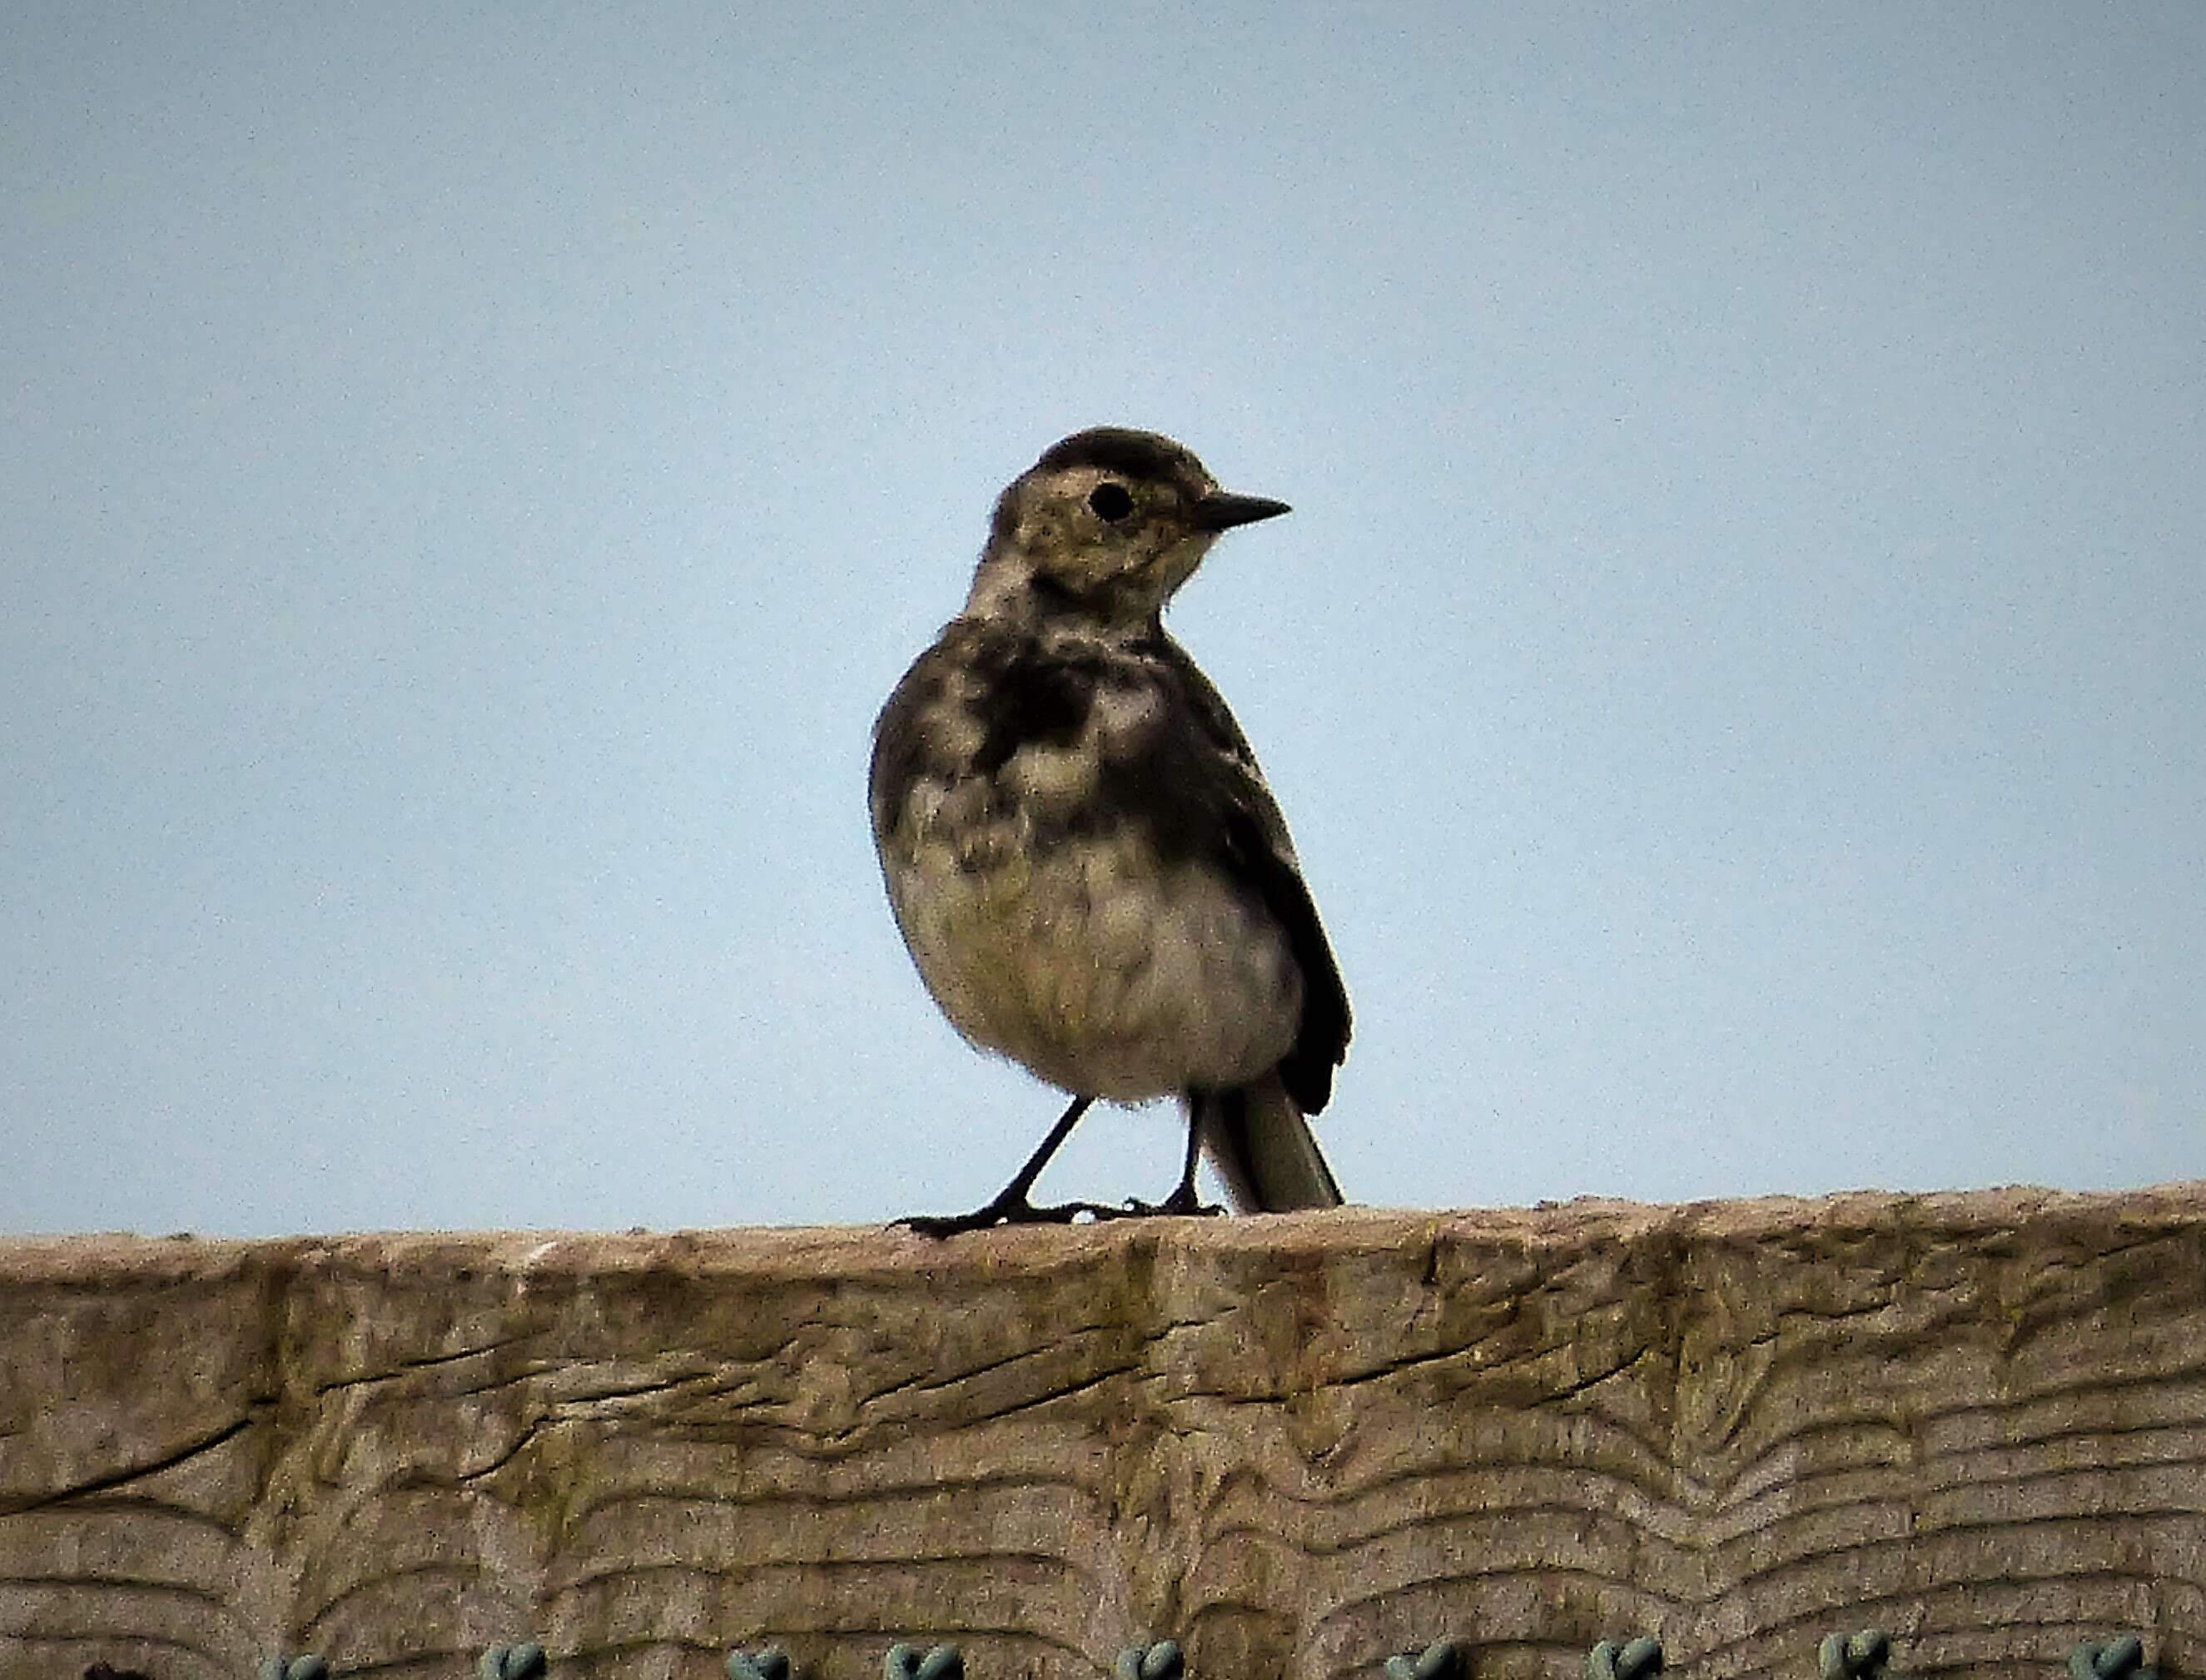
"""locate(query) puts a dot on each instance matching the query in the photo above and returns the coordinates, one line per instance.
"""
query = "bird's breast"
(1021, 840)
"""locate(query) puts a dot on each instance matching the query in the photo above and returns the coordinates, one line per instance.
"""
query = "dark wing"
(1204, 793)
(1321, 1040)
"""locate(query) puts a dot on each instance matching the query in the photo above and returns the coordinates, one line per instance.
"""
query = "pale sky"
(1734, 670)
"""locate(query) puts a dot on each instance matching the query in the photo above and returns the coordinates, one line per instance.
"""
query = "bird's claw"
(1019, 1212)
(1184, 1204)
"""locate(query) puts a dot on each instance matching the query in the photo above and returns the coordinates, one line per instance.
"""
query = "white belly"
(1102, 974)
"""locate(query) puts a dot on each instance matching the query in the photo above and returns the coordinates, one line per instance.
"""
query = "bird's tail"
(1262, 1148)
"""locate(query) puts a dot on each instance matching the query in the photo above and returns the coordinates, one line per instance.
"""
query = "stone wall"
(1297, 1444)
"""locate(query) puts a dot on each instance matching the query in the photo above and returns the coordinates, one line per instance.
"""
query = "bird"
(1081, 853)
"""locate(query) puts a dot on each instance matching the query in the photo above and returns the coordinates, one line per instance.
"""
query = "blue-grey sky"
(1733, 670)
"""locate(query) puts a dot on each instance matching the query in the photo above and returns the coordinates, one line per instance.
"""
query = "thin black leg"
(1183, 1199)
(1009, 1205)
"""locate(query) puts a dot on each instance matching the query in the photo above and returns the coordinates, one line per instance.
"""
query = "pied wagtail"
(1081, 852)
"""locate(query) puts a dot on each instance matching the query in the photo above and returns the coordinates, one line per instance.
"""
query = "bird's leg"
(1009, 1205)
(1183, 1199)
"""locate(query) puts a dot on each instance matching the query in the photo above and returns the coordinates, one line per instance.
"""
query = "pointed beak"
(1221, 512)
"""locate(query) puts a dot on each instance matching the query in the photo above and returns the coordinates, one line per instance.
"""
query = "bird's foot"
(1012, 1211)
(1182, 1202)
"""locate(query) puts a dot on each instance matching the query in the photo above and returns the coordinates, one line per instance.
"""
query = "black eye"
(1110, 501)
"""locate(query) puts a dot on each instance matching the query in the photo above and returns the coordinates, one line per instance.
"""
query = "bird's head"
(1104, 527)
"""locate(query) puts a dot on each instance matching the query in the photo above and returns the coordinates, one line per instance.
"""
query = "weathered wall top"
(1296, 1444)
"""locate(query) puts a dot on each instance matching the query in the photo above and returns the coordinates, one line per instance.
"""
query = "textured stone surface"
(1296, 1444)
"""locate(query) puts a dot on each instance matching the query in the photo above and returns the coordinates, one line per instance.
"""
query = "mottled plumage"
(1079, 847)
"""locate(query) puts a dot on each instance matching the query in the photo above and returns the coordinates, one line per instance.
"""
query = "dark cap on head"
(1121, 449)
(1150, 457)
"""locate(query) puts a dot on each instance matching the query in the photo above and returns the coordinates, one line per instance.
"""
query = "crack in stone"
(406, 1368)
(131, 1473)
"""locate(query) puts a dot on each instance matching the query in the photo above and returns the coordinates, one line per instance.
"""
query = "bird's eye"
(1110, 501)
